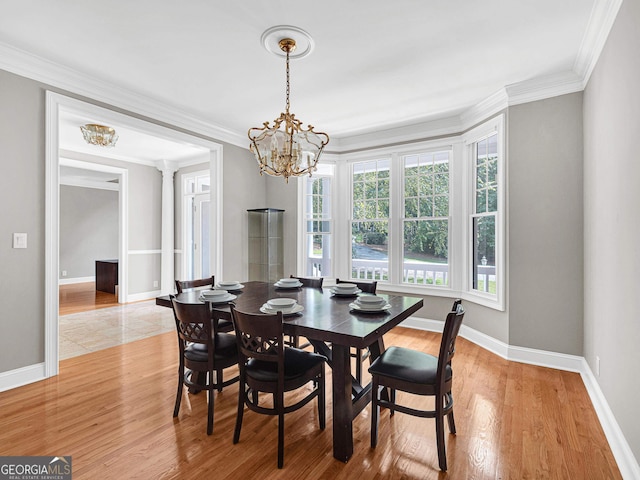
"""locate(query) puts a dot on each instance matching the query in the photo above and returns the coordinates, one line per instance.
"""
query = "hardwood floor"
(83, 297)
(112, 412)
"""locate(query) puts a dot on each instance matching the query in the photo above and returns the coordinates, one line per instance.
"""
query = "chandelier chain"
(288, 85)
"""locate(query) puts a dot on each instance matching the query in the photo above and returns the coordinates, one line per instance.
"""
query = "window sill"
(478, 298)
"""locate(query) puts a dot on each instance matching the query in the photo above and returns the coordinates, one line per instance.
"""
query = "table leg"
(342, 406)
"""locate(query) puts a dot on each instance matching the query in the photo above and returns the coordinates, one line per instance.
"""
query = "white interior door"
(201, 236)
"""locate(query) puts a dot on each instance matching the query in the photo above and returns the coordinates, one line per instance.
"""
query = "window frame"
(471, 138)
(325, 170)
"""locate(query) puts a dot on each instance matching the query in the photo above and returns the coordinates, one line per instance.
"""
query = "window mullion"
(396, 219)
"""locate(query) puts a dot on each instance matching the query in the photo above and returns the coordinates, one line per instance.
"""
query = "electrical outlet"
(155, 283)
(64, 273)
(597, 366)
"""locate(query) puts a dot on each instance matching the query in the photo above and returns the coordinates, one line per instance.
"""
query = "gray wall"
(144, 222)
(88, 229)
(243, 188)
(611, 227)
(284, 196)
(545, 224)
(22, 196)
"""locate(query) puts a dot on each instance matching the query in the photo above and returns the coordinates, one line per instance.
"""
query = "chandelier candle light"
(101, 135)
(292, 150)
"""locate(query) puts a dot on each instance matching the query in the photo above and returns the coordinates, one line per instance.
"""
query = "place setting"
(370, 304)
(345, 290)
(288, 283)
(288, 306)
(229, 285)
(216, 296)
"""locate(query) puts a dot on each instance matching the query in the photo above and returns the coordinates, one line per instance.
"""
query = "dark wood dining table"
(332, 327)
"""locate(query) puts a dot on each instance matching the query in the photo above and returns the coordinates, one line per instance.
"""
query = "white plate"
(282, 302)
(345, 294)
(280, 285)
(297, 309)
(225, 298)
(371, 309)
(237, 286)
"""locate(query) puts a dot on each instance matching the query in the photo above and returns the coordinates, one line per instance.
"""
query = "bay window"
(424, 218)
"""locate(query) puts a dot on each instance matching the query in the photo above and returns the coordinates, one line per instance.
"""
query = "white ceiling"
(376, 64)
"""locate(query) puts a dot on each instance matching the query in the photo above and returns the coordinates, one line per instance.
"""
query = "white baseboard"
(627, 463)
(22, 376)
(69, 281)
(620, 448)
(138, 297)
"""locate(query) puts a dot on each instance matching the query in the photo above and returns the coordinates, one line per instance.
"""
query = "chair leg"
(452, 423)
(210, 411)
(322, 414)
(219, 379)
(176, 408)
(392, 399)
(241, 396)
(280, 407)
(359, 365)
(375, 411)
(442, 456)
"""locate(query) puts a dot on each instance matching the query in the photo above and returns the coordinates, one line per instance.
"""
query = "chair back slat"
(260, 336)
(311, 282)
(448, 343)
(193, 322)
(366, 287)
(182, 285)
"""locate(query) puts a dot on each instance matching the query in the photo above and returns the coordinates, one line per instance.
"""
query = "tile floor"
(87, 332)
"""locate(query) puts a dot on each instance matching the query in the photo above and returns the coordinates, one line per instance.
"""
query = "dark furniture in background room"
(106, 275)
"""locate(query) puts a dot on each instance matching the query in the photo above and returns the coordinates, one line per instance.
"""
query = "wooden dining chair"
(308, 282)
(268, 366)
(203, 353)
(360, 354)
(182, 285)
(312, 282)
(419, 373)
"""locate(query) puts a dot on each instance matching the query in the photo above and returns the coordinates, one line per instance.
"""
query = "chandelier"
(287, 149)
(95, 134)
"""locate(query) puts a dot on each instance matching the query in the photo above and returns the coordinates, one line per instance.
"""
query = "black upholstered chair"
(203, 353)
(419, 373)
(267, 366)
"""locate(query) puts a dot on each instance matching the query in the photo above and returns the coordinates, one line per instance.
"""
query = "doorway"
(56, 105)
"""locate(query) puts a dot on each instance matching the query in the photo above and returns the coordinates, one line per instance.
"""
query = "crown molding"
(601, 21)
(543, 87)
(37, 68)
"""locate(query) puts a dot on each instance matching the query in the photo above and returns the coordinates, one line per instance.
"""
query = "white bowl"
(289, 281)
(281, 303)
(370, 300)
(228, 283)
(214, 293)
(345, 287)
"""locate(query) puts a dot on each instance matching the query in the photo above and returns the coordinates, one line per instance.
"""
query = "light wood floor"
(82, 297)
(112, 412)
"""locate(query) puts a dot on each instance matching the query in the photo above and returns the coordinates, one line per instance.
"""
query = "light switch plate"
(19, 240)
